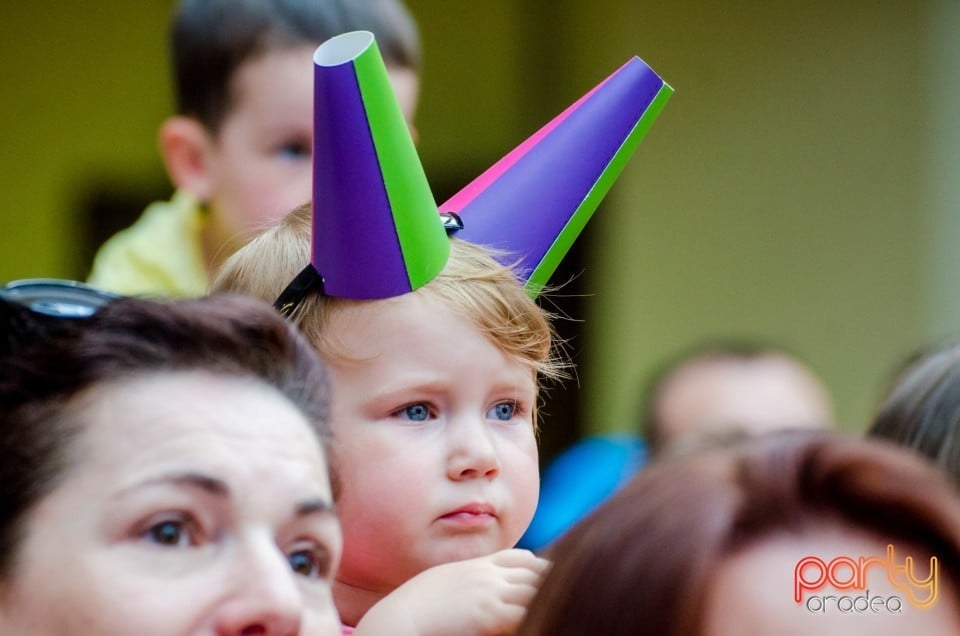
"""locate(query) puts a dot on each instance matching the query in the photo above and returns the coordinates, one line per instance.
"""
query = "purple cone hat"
(376, 232)
(534, 202)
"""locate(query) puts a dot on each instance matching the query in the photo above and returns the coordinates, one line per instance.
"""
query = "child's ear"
(186, 147)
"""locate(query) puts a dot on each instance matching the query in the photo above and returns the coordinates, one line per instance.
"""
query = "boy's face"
(435, 441)
(259, 161)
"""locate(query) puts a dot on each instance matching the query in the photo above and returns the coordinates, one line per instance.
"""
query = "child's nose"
(473, 451)
(266, 599)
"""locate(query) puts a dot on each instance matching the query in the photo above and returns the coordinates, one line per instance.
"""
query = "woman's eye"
(310, 563)
(175, 533)
(418, 412)
(503, 411)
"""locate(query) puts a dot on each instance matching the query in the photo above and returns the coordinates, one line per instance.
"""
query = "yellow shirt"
(159, 255)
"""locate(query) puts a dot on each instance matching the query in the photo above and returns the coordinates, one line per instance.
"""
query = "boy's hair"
(211, 39)
(472, 283)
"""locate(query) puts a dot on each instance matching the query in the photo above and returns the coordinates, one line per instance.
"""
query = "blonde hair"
(472, 284)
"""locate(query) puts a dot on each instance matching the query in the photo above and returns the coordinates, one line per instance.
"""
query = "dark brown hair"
(41, 377)
(643, 562)
(211, 39)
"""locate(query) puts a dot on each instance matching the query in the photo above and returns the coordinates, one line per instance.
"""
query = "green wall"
(84, 87)
(787, 193)
(797, 188)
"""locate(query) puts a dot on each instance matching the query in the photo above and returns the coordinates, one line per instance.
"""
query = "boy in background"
(238, 151)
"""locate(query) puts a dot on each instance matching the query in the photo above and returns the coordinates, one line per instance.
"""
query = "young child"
(434, 417)
(436, 349)
(238, 149)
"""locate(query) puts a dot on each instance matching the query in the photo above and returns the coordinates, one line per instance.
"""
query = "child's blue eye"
(503, 411)
(294, 150)
(418, 412)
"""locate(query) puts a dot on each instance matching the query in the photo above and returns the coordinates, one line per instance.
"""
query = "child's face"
(259, 162)
(435, 440)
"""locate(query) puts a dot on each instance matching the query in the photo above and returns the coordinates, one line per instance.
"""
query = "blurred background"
(802, 186)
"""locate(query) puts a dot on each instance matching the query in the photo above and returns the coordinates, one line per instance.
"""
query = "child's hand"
(485, 596)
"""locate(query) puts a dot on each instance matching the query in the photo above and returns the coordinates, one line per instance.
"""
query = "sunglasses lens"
(62, 309)
(57, 298)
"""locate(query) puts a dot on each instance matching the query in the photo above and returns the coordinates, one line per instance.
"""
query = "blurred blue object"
(580, 479)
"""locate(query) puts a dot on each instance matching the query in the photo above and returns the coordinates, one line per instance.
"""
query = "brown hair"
(644, 561)
(43, 378)
(210, 40)
(472, 283)
(921, 410)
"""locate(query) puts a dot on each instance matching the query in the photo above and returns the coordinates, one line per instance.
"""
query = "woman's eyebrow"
(218, 488)
(315, 506)
(206, 483)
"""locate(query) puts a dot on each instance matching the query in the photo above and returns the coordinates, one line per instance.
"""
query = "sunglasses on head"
(55, 297)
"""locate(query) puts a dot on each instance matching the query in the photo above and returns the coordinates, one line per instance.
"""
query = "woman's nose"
(266, 598)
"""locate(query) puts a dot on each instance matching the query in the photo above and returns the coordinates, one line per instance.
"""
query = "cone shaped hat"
(534, 202)
(376, 231)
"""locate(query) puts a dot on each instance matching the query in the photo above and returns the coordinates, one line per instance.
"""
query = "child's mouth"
(472, 515)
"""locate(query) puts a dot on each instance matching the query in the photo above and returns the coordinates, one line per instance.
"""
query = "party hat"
(533, 203)
(375, 228)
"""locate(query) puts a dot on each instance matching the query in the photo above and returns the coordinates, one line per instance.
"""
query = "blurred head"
(709, 544)
(436, 399)
(243, 70)
(733, 390)
(170, 457)
(921, 409)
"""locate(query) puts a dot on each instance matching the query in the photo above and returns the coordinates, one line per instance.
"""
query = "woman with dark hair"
(162, 469)
(788, 533)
